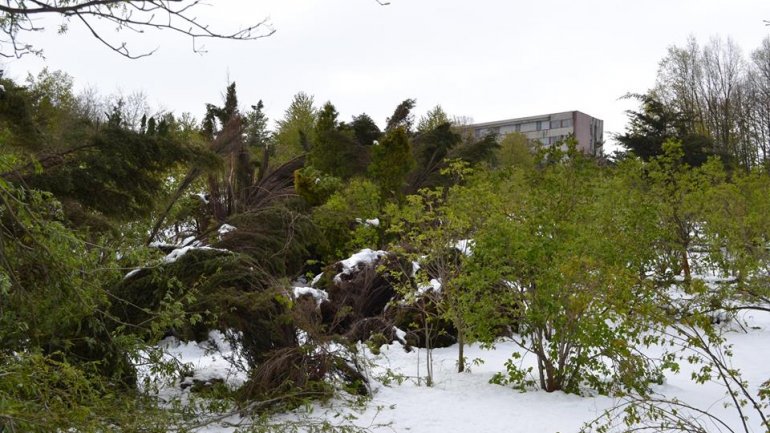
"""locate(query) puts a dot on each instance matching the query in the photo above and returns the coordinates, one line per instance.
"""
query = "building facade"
(551, 128)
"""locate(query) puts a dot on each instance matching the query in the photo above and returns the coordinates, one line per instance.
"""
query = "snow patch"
(415, 267)
(132, 273)
(373, 222)
(358, 260)
(179, 252)
(225, 229)
(465, 246)
(317, 294)
(433, 284)
(202, 197)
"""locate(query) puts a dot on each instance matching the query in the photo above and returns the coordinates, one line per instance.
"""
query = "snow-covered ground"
(467, 402)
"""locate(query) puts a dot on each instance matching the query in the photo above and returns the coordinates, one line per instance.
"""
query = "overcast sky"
(485, 59)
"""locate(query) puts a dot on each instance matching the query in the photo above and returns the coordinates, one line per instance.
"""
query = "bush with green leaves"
(342, 220)
(555, 266)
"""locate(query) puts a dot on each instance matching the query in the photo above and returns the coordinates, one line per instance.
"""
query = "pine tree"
(334, 152)
(392, 160)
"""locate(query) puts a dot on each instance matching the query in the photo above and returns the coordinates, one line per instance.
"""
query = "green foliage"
(431, 147)
(101, 175)
(47, 295)
(365, 130)
(208, 289)
(656, 123)
(430, 228)
(295, 130)
(335, 151)
(17, 121)
(677, 192)
(514, 151)
(315, 186)
(277, 236)
(476, 151)
(434, 118)
(342, 220)
(119, 175)
(41, 394)
(257, 134)
(402, 116)
(737, 226)
(552, 266)
(392, 160)
(63, 365)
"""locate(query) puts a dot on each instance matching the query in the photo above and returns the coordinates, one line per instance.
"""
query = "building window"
(528, 127)
(566, 123)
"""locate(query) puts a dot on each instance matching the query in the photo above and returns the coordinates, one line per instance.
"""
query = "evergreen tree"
(365, 130)
(431, 147)
(257, 133)
(402, 116)
(654, 124)
(295, 130)
(334, 152)
(392, 160)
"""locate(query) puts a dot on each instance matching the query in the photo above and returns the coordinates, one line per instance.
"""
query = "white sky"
(486, 59)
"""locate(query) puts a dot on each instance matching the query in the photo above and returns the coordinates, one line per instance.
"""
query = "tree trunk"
(460, 352)
(428, 359)
(686, 266)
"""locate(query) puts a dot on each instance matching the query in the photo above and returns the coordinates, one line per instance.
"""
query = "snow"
(179, 252)
(373, 222)
(317, 294)
(415, 267)
(356, 261)
(132, 273)
(433, 284)
(465, 246)
(467, 402)
(207, 360)
(225, 229)
(202, 197)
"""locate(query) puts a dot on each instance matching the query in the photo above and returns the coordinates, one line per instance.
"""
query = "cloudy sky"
(485, 59)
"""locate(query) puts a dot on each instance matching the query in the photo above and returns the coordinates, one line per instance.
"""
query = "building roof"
(522, 119)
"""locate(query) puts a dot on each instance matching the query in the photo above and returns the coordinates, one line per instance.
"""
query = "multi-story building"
(551, 128)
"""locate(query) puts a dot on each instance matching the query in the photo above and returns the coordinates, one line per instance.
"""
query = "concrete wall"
(551, 128)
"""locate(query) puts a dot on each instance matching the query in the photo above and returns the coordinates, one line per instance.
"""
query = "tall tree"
(365, 130)
(402, 116)
(711, 87)
(759, 78)
(295, 130)
(392, 160)
(435, 117)
(431, 147)
(654, 124)
(334, 151)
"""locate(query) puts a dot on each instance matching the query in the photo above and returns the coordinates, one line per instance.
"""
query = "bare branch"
(16, 19)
